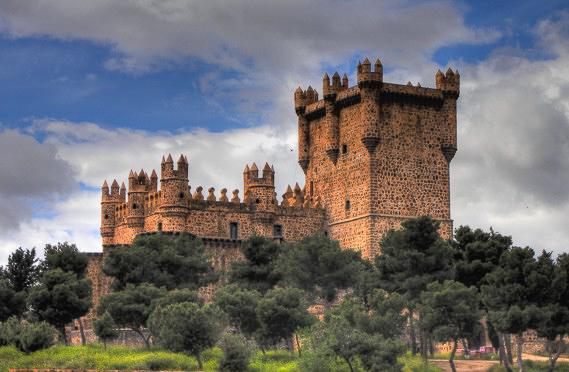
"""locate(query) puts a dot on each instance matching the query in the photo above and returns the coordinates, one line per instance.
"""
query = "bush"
(9, 331)
(160, 364)
(236, 354)
(35, 336)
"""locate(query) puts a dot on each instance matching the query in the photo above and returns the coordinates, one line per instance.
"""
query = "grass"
(446, 356)
(415, 363)
(531, 366)
(125, 358)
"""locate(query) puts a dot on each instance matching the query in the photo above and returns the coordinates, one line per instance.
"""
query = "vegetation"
(187, 327)
(439, 290)
(236, 354)
(119, 357)
(167, 261)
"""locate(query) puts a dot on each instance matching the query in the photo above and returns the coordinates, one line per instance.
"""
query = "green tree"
(169, 261)
(22, 270)
(240, 305)
(477, 254)
(59, 298)
(258, 270)
(410, 259)
(12, 303)
(105, 328)
(187, 327)
(131, 307)
(512, 294)
(360, 334)
(236, 353)
(451, 312)
(66, 257)
(320, 267)
(281, 312)
(177, 296)
(551, 281)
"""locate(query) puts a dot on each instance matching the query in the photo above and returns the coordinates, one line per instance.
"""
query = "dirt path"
(465, 365)
(539, 358)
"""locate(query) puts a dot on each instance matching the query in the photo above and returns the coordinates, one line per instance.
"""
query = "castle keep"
(373, 155)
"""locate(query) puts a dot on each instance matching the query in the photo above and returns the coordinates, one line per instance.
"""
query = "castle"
(373, 155)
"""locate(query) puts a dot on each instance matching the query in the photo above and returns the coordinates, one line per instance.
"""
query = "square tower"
(377, 153)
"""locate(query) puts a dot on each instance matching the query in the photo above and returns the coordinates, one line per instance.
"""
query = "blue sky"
(89, 90)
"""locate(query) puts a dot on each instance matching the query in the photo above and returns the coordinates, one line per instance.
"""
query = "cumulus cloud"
(512, 167)
(31, 171)
(242, 34)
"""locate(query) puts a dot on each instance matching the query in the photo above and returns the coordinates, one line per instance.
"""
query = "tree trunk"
(452, 353)
(520, 344)
(63, 335)
(465, 347)
(146, 340)
(199, 359)
(349, 364)
(82, 332)
(412, 333)
(298, 345)
(504, 353)
(105, 344)
(508, 339)
(554, 356)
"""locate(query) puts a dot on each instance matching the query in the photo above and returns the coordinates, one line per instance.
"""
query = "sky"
(92, 89)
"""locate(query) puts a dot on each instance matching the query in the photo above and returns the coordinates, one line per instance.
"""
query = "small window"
(311, 188)
(134, 206)
(233, 231)
(344, 149)
(348, 205)
(106, 216)
(326, 233)
(257, 200)
(277, 231)
(159, 226)
(181, 195)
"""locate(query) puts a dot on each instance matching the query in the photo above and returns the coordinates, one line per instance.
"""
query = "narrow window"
(134, 206)
(257, 200)
(311, 188)
(159, 226)
(344, 149)
(277, 231)
(233, 231)
(181, 195)
(348, 204)
(106, 216)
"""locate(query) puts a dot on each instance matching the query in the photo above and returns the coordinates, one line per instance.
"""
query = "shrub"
(159, 364)
(35, 336)
(9, 331)
(236, 354)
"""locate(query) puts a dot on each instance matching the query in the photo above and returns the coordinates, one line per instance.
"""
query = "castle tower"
(138, 187)
(378, 153)
(174, 194)
(259, 190)
(109, 202)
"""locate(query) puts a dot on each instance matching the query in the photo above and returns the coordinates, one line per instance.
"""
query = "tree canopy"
(169, 261)
(319, 266)
(258, 269)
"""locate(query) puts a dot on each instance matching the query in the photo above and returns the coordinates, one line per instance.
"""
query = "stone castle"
(373, 155)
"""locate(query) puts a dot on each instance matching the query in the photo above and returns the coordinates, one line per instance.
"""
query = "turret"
(301, 100)
(174, 193)
(154, 181)
(331, 144)
(369, 83)
(109, 202)
(260, 190)
(449, 83)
